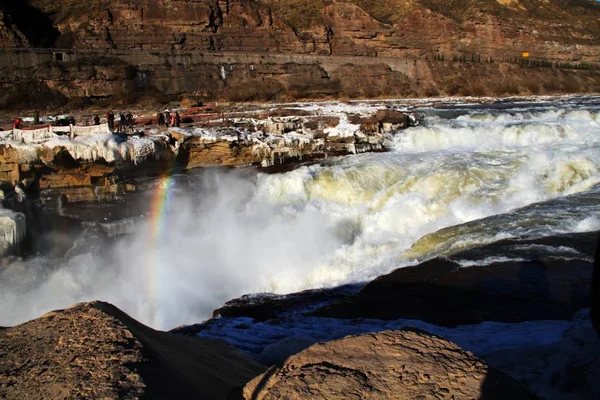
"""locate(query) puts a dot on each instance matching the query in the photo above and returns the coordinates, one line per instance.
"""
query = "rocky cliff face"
(203, 25)
(243, 50)
(545, 29)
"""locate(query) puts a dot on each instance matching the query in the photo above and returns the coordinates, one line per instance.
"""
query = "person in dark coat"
(121, 122)
(177, 119)
(110, 117)
(96, 120)
(161, 119)
(167, 118)
(130, 120)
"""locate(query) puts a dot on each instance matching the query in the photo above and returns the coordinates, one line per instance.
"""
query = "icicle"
(13, 228)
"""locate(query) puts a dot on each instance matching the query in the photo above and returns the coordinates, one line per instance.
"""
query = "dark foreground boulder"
(94, 350)
(442, 292)
(389, 365)
(595, 309)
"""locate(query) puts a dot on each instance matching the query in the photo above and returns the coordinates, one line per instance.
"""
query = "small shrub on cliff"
(533, 87)
(432, 92)
(551, 86)
(478, 90)
(453, 88)
(507, 88)
(571, 85)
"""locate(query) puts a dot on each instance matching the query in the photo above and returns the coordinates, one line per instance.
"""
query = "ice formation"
(120, 227)
(13, 229)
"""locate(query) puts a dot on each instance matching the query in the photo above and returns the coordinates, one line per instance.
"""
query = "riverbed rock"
(94, 350)
(405, 364)
(442, 292)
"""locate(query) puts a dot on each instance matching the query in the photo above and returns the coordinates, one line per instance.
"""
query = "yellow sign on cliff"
(526, 54)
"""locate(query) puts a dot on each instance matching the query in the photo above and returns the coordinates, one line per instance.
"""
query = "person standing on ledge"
(36, 117)
(177, 119)
(121, 122)
(130, 121)
(167, 118)
(17, 123)
(110, 118)
(96, 120)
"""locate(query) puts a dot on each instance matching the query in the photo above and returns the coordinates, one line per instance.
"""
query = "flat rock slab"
(389, 365)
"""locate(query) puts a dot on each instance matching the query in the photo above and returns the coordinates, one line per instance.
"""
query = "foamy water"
(450, 184)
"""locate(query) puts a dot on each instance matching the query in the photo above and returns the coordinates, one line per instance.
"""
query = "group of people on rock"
(166, 119)
(126, 120)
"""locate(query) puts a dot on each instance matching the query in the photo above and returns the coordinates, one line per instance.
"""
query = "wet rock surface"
(94, 350)
(443, 292)
(388, 365)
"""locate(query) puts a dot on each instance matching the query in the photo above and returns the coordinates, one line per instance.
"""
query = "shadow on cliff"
(32, 22)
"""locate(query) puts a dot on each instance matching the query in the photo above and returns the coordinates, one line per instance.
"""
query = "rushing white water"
(348, 220)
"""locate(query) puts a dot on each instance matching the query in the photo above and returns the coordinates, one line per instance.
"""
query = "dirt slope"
(94, 350)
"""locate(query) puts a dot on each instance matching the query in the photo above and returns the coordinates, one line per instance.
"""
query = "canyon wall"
(126, 51)
(552, 29)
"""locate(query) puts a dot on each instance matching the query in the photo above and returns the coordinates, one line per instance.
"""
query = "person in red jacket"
(17, 123)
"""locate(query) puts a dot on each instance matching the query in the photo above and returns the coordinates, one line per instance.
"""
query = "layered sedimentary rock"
(388, 365)
(61, 165)
(87, 159)
(544, 29)
(129, 51)
(94, 350)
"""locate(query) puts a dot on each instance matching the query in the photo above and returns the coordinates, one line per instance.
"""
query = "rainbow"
(158, 209)
(157, 231)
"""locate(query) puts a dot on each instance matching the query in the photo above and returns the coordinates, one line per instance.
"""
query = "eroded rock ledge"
(86, 164)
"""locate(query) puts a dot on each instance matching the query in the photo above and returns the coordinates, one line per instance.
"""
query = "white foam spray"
(324, 225)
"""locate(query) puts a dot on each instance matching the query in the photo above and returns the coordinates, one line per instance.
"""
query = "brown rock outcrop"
(350, 28)
(244, 50)
(203, 25)
(9, 165)
(388, 365)
(94, 350)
